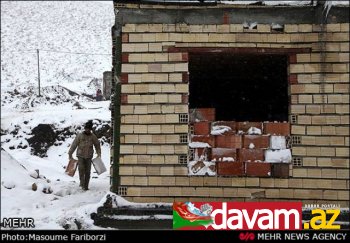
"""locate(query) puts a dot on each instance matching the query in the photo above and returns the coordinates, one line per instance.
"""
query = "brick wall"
(155, 95)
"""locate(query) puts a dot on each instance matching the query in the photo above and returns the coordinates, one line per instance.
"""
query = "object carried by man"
(71, 167)
(85, 141)
(99, 165)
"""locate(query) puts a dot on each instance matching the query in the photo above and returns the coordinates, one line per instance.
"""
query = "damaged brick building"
(230, 102)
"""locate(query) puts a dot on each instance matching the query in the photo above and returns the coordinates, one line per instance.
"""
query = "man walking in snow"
(85, 142)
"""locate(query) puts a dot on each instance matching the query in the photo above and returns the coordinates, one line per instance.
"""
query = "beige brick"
(264, 28)
(209, 28)
(298, 129)
(141, 181)
(181, 128)
(181, 149)
(167, 149)
(238, 182)
(134, 78)
(298, 109)
(337, 140)
(297, 88)
(295, 183)
(330, 194)
(167, 128)
(343, 195)
(344, 27)
(127, 88)
(154, 181)
(308, 140)
(158, 159)
(175, 98)
(175, 77)
(267, 182)
(167, 170)
(158, 139)
(126, 170)
(161, 191)
(127, 180)
(313, 109)
(272, 193)
(341, 88)
(202, 191)
(182, 27)
(254, 182)
(299, 151)
(236, 28)
(182, 181)
(327, 151)
(289, 28)
(140, 149)
(304, 28)
(161, 98)
(195, 28)
(314, 173)
(133, 191)
(215, 192)
(339, 162)
(126, 149)
(147, 191)
(202, 38)
(155, 47)
(172, 118)
(333, 27)
(168, 27)
(181, 108)
(140, 128)
(308, 194)
(182, 171)
(127, 109)
(229, 192)
(342, 152)
(168, 88)
(181, 67)
(196, 181)
(299, 172)
(168, 109)
(131, 138)
(304, 119)
(329, 173)
(309, 161)
(343, 173)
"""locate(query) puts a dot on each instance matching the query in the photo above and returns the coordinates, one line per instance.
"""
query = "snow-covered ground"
(75, 27)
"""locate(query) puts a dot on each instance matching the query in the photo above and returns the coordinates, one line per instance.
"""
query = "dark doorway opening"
(240, 87)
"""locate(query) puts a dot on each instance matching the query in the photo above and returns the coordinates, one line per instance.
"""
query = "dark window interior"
(240, 87)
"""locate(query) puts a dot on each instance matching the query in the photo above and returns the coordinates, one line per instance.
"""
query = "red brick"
(124, 99)
(226, 18)
(258, 169)
(244, 126)
(125, 58)
(202, 114)
(252, 155)
(124, 78)
(184, 99)
(231, 124)
(219, 153)
(230, 168)
(209, 139)
(292, 58)
(277, 128)
(185, 56)
(292, 79)
(125, 38)
(280, 170)
(185, 77)
(259, 141)
(228, 141)
(202, 128)
(202, 152)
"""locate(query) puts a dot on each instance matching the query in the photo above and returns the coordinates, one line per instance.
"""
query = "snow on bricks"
(238, 148)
